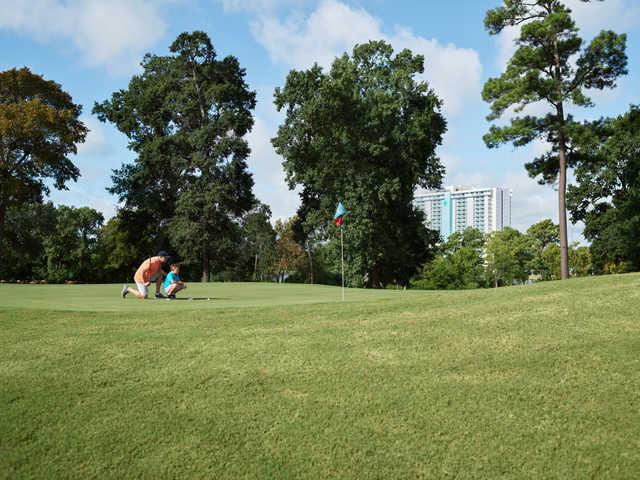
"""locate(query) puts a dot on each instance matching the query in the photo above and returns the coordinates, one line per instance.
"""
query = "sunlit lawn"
(286, 381)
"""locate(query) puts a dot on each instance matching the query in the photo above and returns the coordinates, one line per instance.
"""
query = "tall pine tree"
(548, 66)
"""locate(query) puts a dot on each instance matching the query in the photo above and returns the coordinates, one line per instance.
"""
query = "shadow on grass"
(201, 298)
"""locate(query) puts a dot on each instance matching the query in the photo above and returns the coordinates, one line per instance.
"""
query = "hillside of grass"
(286, 381)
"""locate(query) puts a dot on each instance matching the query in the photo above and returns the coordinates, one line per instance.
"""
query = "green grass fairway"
(286, 381)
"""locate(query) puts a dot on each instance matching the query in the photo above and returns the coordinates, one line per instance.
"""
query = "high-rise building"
(456, 208)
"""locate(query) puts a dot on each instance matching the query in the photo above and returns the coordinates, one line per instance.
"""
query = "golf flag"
(340, 211)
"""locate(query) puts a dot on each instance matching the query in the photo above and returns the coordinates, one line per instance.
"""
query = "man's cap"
(162, 253)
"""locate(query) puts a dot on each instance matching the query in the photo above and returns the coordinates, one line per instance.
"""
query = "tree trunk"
(205, 267)
(2, 217)
(255, 268)
(310, 264)
(562, 174)
(374, 277)
(562, 209)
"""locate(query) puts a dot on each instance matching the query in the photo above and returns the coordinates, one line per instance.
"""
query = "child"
(149, 271)
(173, 284)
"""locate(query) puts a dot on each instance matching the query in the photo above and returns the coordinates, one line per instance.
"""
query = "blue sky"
(92, 48)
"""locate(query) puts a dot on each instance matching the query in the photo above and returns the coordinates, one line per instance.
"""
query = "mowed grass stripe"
(535, 382)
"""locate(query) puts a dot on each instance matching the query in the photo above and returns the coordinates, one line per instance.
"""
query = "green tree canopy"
(258, 240)
(551, 66)
(186, 116)
(39, 130)
(71, 246)
(364, 133)
(606, 196)
(545, 238)
(459, 264)
(22, 252)
(508, 257)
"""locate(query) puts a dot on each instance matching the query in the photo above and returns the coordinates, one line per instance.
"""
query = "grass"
(285, 381)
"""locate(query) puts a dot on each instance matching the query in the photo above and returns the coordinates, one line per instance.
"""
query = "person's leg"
(142, 291)
(174, 288)
(158, 284)
(157, 279)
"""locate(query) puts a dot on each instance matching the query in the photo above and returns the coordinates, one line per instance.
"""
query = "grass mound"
(279, 381)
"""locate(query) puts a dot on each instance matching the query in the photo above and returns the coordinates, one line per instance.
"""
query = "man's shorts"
(143, 289)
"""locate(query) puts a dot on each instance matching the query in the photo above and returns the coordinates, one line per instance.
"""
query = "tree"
(39, 129)
(22, 247)
(546, 262)
(117, 254)
(543, 70)
(258, 240)
(364, 133)
(508, 256)
(459, 265)
(580, 261)
(289, 254)
(70, 246)
(545, 237)
(606, 196)
(186, 116)
(544, 233)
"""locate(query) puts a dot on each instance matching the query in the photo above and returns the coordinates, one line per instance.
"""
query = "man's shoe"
(159, 295)
(125, 290)
(172, 296)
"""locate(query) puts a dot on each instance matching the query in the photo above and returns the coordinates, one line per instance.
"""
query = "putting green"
(106, 298)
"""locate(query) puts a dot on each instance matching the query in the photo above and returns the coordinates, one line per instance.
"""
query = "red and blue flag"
(340, 211)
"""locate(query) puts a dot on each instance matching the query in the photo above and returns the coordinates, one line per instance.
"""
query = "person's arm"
(145, 272)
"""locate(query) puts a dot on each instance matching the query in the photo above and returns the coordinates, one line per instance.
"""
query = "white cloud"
(506, 46)
(258, 5)
(330, 30)
(590, 18)
(96, 141)
(454, 73)
(540, 147)
(112, 34)
(451, 163)
(533, 202)
(266, 165)
(616, 15)
(84, 194)
(335, 27)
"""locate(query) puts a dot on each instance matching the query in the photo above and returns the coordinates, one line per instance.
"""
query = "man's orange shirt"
(148, 269)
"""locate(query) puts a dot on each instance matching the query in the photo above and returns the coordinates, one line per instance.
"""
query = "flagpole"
(342, 255)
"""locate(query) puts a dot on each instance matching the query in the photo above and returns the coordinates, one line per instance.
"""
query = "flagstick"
(342, 255)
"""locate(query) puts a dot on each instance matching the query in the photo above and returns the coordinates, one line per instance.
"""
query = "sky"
(93, 48)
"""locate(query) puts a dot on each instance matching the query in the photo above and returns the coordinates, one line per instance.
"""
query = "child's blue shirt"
(171, 278)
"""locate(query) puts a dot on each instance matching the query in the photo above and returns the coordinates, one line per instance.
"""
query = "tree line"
(66, 244)
(471, 259)
(48, 243)
(365, 132)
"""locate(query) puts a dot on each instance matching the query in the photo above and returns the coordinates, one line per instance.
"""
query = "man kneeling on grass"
(173, 284)
(149, 271)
